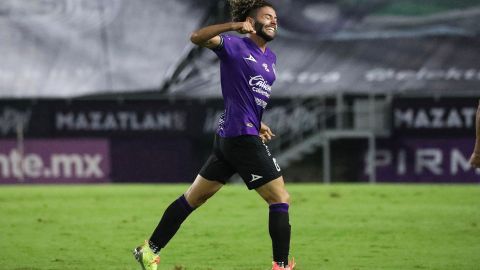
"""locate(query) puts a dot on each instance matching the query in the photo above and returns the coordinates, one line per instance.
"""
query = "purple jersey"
(247, 74)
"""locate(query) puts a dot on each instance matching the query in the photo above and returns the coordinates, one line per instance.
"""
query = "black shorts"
(246, 155)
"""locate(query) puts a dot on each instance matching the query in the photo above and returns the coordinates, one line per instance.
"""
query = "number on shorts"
(276, 164)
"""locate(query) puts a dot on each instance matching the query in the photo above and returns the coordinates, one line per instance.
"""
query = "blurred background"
(113, 90)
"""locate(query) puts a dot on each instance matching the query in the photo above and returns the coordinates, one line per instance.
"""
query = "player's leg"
(172, 219)
(176, 213)
(260, 171)
(212, 176)
(180, 209)
(278, 199)
(274, 192)
(201, 190)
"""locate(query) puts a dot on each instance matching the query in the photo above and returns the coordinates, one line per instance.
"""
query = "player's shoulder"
(231, 38)
(232, 43)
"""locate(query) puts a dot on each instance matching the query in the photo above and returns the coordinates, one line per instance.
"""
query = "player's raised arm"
(209, 36)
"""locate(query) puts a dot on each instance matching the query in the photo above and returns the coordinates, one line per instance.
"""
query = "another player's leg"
(173, 217)
(278, 199)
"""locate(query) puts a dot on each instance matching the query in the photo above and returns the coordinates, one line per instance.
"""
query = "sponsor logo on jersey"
(260, 85)
(265, 66)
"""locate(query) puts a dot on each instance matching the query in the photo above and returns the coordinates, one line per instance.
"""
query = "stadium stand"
(73, 48)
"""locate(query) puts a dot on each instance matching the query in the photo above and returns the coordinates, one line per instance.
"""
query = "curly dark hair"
(241, 9)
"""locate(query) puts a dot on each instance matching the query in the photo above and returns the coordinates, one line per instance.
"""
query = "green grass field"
(334, 227)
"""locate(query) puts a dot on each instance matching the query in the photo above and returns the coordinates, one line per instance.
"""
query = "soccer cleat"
(290, 266)
(146, 257)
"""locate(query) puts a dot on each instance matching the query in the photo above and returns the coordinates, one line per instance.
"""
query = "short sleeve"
(228, 46)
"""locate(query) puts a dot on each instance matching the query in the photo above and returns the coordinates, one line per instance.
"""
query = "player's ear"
(251, 21)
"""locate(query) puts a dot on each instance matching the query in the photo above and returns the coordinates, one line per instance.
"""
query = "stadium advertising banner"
(432, 117)
(54, 161)
(282, 115)
(99, 118)
(425, 160)
(154, 160)
(110, 118)
(135, 118)
(432, 141)
(28, 117)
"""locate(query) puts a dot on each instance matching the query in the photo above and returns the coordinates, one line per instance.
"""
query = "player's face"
(266, 23)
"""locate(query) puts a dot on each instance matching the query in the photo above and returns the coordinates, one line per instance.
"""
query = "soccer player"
(475, 158)
(247, 68)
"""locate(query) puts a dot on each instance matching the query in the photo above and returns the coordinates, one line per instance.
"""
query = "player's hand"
(475, 160)
(244, 27)
(266, 133)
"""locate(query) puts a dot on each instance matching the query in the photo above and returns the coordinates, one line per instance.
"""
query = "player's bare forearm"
(475, 158)
(208, 36)
(477, 128)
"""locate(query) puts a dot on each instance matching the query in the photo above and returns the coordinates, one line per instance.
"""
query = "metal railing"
(366, 118)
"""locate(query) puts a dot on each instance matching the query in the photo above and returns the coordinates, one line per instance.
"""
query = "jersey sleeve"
(228, 46)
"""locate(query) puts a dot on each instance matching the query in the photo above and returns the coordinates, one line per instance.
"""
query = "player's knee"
(279, 197)
(286, 197)
(196, 201)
